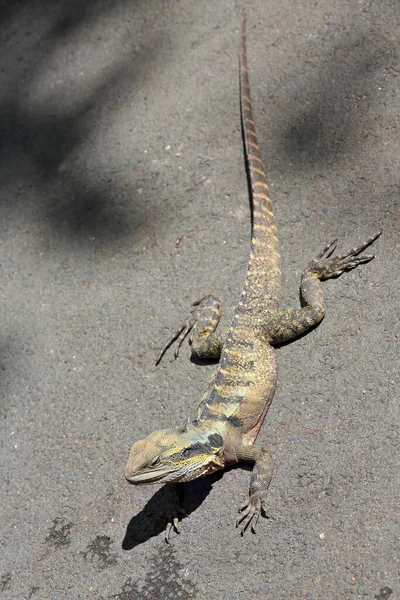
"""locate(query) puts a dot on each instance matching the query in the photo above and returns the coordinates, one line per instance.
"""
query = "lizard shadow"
(151, 520)
(203, 361)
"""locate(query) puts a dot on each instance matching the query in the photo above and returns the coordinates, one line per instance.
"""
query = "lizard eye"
(154, 462)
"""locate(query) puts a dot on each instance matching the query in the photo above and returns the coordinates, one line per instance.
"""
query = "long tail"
(263, 273)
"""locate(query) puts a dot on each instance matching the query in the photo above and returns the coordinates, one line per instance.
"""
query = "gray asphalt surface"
(123, 199)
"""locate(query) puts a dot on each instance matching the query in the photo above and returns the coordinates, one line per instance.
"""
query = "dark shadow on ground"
(152, 520)
(331, 98)
(37, 139)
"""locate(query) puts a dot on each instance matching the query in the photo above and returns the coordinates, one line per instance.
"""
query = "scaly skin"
(240, 392)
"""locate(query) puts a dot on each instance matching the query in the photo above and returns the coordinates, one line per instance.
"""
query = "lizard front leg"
(201, 327)
(255, 505)
(173, 509)
(291, 323)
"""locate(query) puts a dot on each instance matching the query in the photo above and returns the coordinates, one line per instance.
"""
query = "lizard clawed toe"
(179, 337)
(326, 266)
(327, 251)
(250, 512)
(201, 307)
(173, 522)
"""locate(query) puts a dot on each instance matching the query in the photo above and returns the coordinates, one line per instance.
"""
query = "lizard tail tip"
(243, 27)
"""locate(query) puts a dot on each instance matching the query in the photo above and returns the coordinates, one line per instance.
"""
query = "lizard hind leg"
(201, 327)
(289, 324)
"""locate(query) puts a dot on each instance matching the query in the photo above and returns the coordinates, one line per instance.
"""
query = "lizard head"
(175, 455)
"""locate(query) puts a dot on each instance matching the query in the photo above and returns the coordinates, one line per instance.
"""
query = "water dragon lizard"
(240, 392)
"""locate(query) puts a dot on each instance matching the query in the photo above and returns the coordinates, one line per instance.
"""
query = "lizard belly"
(243, 388)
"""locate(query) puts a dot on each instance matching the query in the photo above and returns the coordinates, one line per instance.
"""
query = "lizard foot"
(250, 511)
(203, 319)
(173, 521)
(173, 510)
(326, 266)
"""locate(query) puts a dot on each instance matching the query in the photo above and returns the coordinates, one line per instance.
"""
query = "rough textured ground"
(123, 198)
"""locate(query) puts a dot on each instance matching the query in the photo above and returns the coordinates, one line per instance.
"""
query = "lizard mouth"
(148, 477)
(179, 472)
(162, 476)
